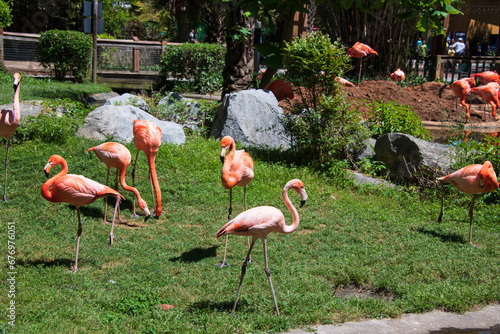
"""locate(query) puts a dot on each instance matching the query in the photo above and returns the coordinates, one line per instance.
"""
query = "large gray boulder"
(128, 99)
(117, 121)
(251, 117)
(97, 100)
(27, 109)
(404, 155)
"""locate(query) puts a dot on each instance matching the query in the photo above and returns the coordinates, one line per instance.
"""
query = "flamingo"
(237, 170)
(486, 77)
(76, 190)
(116, 155)
(490, 93)
(344, 82)
(472, 179)
(360, 50)
(398, 75)
(281, 89)
(9, 120)
(461, 88)
(147, 138)
(259, 222)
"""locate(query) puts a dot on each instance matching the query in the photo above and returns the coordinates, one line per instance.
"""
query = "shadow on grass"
(211, 305)
(68, 263)
(444, 236)
(196, 254)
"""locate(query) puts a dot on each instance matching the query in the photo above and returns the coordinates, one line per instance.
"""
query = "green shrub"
(200, 64)
(394, 117)
(70, 52)
(5, 14)
(326, 129)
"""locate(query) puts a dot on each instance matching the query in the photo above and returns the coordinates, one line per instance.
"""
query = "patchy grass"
(385, 243)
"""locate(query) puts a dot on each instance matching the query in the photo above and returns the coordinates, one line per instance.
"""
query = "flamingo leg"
(111, 235)
(134, 214)
(440, 218)
(268, 273)
(6, 164)
(152, 189)
(243, 271)
(248, 238)
(360, 67)
(470, 217)
(224, 263)
(79, 233)
(106, 200)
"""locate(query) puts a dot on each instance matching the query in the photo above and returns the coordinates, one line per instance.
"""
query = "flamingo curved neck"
(46, 193)
(127, 187)
(226, 168)
(295, 214)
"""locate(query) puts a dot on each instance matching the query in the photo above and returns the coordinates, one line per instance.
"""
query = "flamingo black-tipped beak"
(223, 154)
(47, 174)
(146, 218)
(222, 159)
(302, 203)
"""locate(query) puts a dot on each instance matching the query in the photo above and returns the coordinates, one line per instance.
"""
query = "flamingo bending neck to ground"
(76, 190)
(237, 170)
(116, 155)
(147, 138)
(259, 222)
(9, 120)
(472, 179)
(360, 50)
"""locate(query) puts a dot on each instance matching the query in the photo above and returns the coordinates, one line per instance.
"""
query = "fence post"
(135, 56)
(1, 48)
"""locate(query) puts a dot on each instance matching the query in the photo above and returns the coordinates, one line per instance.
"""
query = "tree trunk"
(237, 73)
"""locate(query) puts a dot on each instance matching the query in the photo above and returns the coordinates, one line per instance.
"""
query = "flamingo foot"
(134, 215)
(250, 260)
(111, 237)
(223, 264)
(122, 220)
(105, 222)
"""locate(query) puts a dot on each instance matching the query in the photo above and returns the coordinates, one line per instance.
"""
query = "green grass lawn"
(386, 241)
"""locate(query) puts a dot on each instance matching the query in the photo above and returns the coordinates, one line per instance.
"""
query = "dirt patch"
(362, 292)
(424, 99)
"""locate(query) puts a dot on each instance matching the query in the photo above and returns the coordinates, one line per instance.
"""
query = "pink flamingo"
(344, 82)
(9, 120)
(461, 88)
(237, 170)
(486, 77)
(472, 179)
(147, 138)
(116, 155)
(76, 190)
(281, 89)
(259, 222)
(490, 93)
(360, 50)
(398, 75)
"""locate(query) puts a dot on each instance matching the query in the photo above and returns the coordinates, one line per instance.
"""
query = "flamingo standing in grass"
(461, 88)
(360, 50)
(116, 155)
(472, 179)
(259, 222)
(9, 120)
(237, 170)
(398, 75)
(490, 93)
(76, 190)
(147, 138)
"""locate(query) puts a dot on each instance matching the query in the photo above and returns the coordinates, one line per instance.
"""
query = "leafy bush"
(5, 14)
(394, 117)
(326, 129)
(200, 64)
(70, 52)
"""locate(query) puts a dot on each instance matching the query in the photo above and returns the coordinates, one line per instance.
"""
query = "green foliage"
(197, 66)
(413, 79)
(326, 128)
(387, 117)
(70, 52)
(5, 14)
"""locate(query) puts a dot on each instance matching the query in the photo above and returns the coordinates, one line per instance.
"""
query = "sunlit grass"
(385, 240)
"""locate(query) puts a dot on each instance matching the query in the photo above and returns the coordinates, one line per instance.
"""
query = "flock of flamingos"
(237, 170)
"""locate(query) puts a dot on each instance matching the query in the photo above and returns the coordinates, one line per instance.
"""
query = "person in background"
(459, 47)
(192, 37)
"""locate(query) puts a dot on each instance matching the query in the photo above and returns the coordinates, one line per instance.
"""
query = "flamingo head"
(225, 143)
(487, 177)
(299, 188)
(17, 80)
(144, 207)
(54, 160)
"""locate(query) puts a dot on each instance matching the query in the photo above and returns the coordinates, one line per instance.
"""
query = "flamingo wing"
(255, 222)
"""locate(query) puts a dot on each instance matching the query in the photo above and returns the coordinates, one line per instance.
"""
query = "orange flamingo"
(237, 170)
(486, 77)
(490, 93)
(147, 138)
(398, 75)
(344, 82)
(461, 88)
(259, 222)
(76, 190)
(9, 120)
(360, 50)
(281, 89)
(472, 179)
(116, 155)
